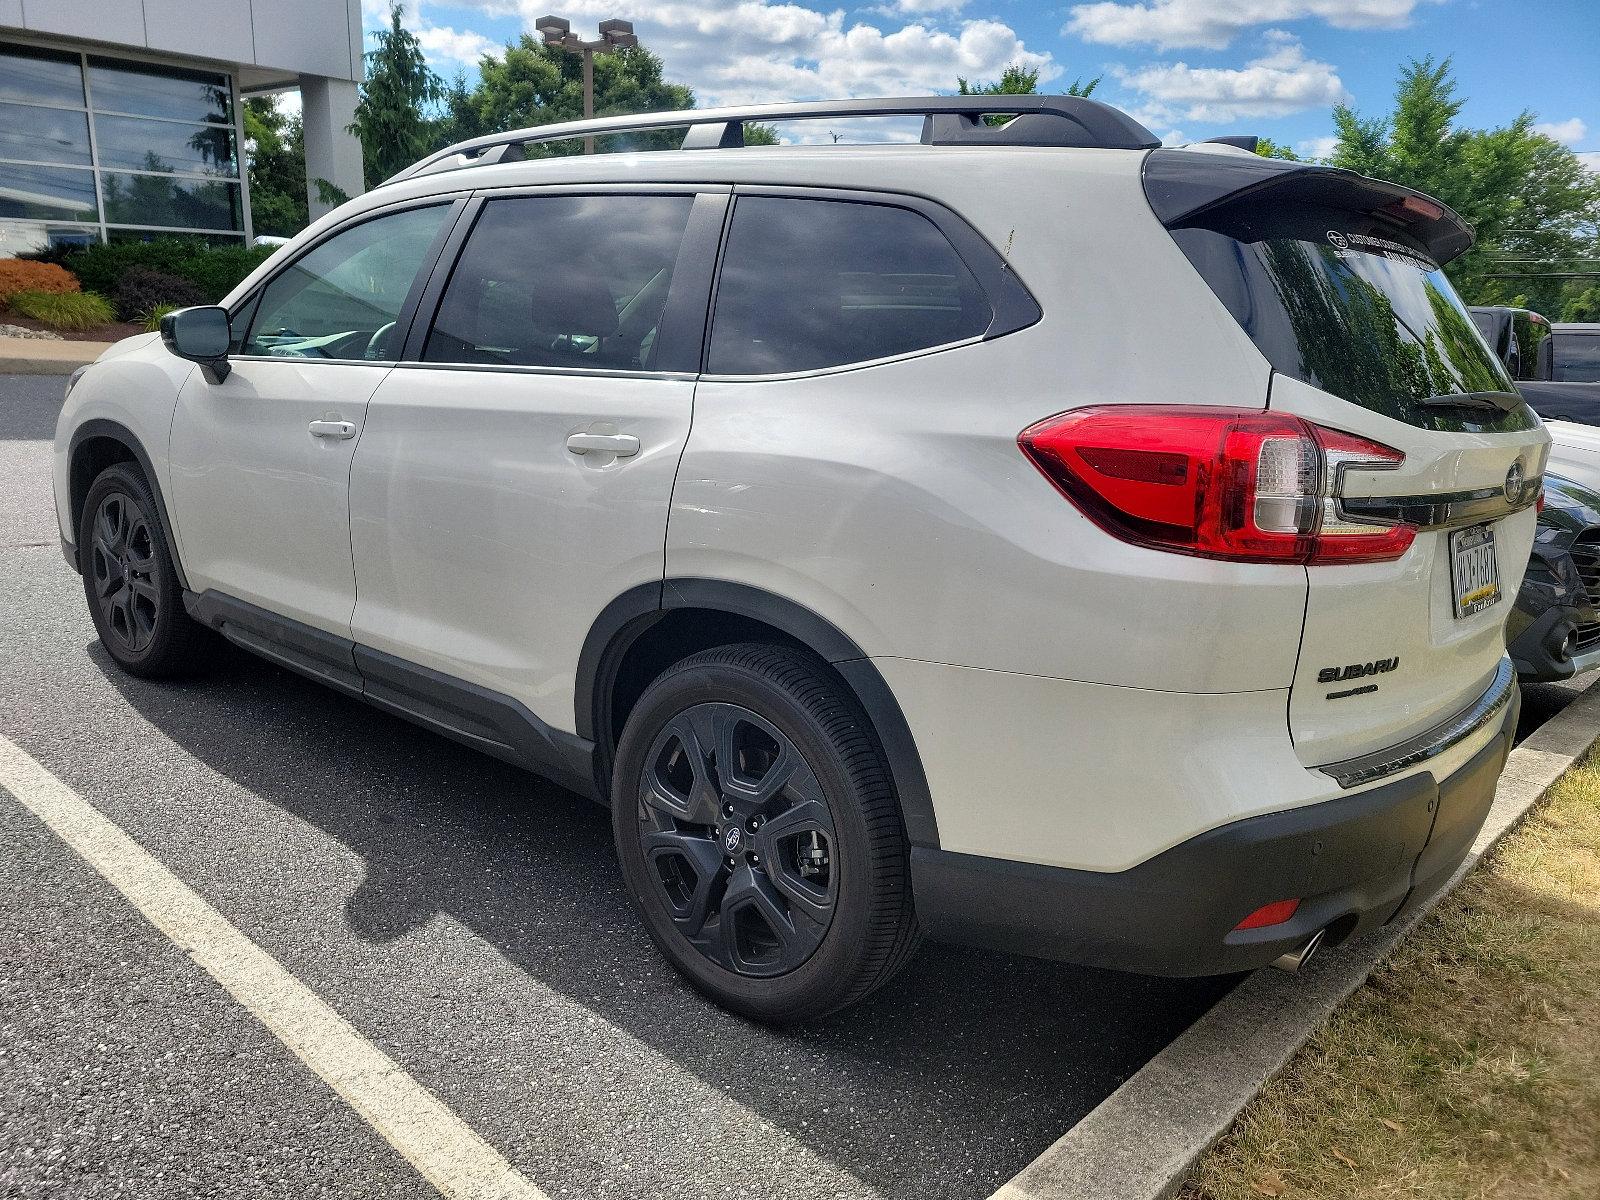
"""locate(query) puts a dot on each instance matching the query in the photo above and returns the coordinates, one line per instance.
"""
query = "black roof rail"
(947, 121)
(1239, 141)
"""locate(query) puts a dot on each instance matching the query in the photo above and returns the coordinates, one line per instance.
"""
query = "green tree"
(1488, 176)
(392, 115)
(1268, 148)
(1018, 80)
(276, 154)
(534, 84)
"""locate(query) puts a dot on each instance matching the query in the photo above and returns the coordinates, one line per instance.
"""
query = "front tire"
(759, 835)
(129, 579)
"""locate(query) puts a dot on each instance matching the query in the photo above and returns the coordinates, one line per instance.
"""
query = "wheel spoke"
(813, 898)
(765, 788)
(698, 804)
(144, 588)
(704, 860)
(751, 893)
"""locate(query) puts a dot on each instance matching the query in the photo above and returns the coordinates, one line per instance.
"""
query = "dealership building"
(122, 118)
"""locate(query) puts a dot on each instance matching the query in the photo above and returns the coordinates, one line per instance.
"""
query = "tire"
(129, 581)
(779, 887)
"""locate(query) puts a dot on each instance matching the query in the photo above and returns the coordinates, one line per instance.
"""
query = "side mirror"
(201, 335)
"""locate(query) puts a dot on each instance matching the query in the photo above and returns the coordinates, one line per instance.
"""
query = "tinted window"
(41, 76)
(562, 281)
(807, 284)
(139, 199)
(159, 92)
(1352, 306)
(1578, 357)
(54, 135)
(47, 193)
(341, 299)
(164, 146)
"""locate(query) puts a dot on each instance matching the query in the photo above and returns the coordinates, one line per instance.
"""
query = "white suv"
(1033, 538)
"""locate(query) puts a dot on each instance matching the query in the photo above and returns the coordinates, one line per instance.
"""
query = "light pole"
(614, 35)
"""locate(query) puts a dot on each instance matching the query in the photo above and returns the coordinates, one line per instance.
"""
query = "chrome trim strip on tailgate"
(1430, 742)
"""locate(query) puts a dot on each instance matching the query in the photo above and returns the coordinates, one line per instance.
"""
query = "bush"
(64, 310)
(152, 319)
(21, 275)
(144, 288)
(214, 270)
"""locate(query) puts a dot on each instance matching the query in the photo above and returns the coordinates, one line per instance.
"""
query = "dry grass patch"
(1469, 1064)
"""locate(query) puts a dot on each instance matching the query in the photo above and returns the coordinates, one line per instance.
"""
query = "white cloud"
(739, 51)
(1591, 159)
(1317, 147)
(1571, 131)
(1281, 81)
(1171, 24)
(914, 8)
(444, 45)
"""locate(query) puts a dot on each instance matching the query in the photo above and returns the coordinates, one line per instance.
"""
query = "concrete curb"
(40, 356)
(1141, 1141)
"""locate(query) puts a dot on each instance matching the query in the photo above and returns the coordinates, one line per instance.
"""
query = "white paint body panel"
(484, 547)
(1358, 613)
(263, 505)
(135, 384)
(1575, 452)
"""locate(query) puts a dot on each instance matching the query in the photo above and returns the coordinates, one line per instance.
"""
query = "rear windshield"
(1349, 304)
(1578, 357)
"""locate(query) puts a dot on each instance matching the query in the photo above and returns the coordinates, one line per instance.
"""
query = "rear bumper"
(1355, 862)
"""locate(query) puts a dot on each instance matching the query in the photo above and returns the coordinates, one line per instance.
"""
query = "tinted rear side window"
(1578, 357)
(808, 284)
(562, 281)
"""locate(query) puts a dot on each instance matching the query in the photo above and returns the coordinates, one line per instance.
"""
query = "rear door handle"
(623, 445)
(333, 429)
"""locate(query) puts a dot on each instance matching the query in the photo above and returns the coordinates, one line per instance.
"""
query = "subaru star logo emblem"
(1338, 239)
(732, 839)
(1514, 482)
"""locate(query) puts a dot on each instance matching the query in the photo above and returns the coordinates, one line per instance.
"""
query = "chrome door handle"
(333, 429)
(623, 445)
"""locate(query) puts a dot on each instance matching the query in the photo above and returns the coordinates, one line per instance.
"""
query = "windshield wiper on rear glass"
(1496, 401)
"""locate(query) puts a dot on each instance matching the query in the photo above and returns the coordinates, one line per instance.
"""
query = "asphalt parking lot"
(467, 920)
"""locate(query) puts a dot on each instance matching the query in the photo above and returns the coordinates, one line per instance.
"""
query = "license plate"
(1474, 570)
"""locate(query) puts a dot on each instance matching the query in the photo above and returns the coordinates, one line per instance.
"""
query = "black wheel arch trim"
(100, 427)
(621, 623)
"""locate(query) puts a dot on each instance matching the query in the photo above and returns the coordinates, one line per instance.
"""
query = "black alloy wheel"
(740, 839)
(123, 573)
(759, 834)
(130, 581)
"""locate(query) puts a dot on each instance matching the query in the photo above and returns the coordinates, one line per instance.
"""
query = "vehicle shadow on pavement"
(944, 1083)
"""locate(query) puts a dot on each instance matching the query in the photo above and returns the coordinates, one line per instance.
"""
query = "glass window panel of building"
(163, 148)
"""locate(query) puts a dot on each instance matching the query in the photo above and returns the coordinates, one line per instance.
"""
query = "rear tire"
(129, 579)
(759, 835)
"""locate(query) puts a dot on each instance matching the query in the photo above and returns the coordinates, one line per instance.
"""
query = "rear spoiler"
(1189, 188)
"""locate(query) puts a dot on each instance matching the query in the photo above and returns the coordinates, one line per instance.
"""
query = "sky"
(1188, 69)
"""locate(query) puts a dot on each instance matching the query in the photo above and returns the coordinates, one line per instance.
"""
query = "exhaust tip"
(1295, 959)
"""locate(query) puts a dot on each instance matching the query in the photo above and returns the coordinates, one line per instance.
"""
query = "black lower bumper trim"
(1354, 862)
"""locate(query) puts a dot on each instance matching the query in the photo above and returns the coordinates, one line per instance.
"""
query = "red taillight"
(1247, 486)
(1275, 913)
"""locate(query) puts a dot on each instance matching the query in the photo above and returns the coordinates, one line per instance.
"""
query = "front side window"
(809, 284)
(562, 281)
(342, 299)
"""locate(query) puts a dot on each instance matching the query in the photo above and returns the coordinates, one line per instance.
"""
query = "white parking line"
(441, 1146)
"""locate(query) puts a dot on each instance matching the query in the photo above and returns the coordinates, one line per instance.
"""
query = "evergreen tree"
(392, 116)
